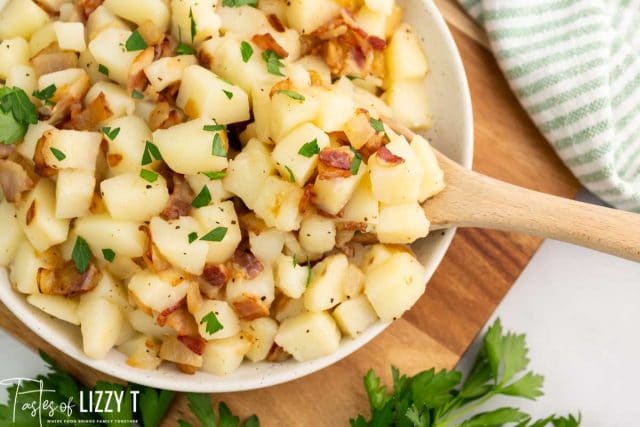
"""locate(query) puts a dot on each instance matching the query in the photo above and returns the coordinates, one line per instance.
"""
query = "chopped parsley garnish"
(214, 128)
(273, 61)
(217, 148)
(135, 42)
(110, 133)
(151, 152)
(215, 235)
(238, 3)
(295, 263)
(202, 199)
(291, 94)
(81, 254)
(103, 69)
(16, 114)
(378, 126)
(356, 162)
(108, 254)
(214, 175)
(228, 94)
(310, 149)
(292, 177)
(246, 50)
(46, 94)
(58, 154)
(185, 49)
(308, 272)
(211, 322)
(193, 25)
(193, 236)
(149, 176)
(136, 94)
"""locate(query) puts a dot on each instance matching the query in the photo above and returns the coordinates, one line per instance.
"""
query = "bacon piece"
(14, 180)
(162, 317)
(267, 42)
(247, 264)
(388, 157)
(67, 281)
(377, 43)
(275, 23)
(193, 343)
(249, 307)
(216, 274)
(180, 199)
(334, 163)
(182, 322)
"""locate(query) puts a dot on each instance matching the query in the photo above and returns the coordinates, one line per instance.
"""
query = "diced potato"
(243, 21)
(156, 293)
(222, 357)
(336, 108)
(261, 334)
(267, 244)
(394, 285)
(215, 187)
(353, 283)
(317, 233)
(292, 247)
(68, 12)
(291, 277)
(363, 206)
(203, 94)
(126, 332)
(262, 288)
(10, 233)
(102, 18)
(70, 35)
(247, 174)
(285, 307)
(142, 322)
(173, 241)
(275, 7)
(79, 149)
(309, 336)
(387, 178)
(72, 81)
(187, 147)
(156, 11)
(278, 204)
(315, 64)
(103, 232)
(74, 191)
(287, 152)
(409, 103)
(221, 214)
(285, 113)
(404, 56)
(402, 223)
(125, 151)
(174, 350)
(203, 12)
(289, 39)
(433, 179)
(59, 307)
(107, 48)
(307, 15)
(331, 195)
(21, 18)
(325, 289)
(372, 21)
(37, 217)
(108, 289)
(118, 100)
(378, 254)
(168, 70)
(223, 314)
(261, 104)
(13, 52)
(42, 39)
(131, 198)
(99, 333)
(24, 269)
(355, 316)
(122, 268)
(142, 352)
(22, 76)
(28, 145)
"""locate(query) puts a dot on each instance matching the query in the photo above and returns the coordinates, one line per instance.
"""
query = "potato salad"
(201, 182)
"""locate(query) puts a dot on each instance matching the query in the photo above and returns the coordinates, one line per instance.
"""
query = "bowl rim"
(164, 379)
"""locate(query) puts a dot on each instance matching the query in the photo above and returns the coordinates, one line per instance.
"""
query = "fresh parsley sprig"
(17, 112)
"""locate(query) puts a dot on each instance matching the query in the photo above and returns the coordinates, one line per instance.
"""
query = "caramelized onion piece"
(249, 307)
(179, 203)
(182, 322)
(267, 42)
(195, 344)
(246, 264)
(137, 79)
(388, 157)
(14, 180)
(52, 59)
(67, 281)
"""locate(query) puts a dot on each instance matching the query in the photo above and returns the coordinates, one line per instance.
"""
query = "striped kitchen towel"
(575, 67)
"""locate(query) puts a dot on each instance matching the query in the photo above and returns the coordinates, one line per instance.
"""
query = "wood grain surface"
(478, 270)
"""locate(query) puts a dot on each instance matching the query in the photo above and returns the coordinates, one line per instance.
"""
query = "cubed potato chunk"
(72, 149)
(291, 277)
(99, 333)
(325, 289)
(317, 233)
(70, 35)
(261, 334)
(142, 352)
(220, 215)
(285, 307)
(203, 94)
(217, 320)
(174, 240)
(315, 64)
(384, 7)
(214, 185)
(42, 38)
(243, 21)
(336, 107)
(307, 15)
(37, 217)
(125, 238)
(393, 286)
(404, 56)
(307, 139)
(386, 178)
(260, 289)
(433, 179)
(102, 18)
(353, 283)
(355, 316)
(372, 21)
(28, 145)
(142, 322)
(109, 289)
(331, 195)
(409, 103)
(222, 357)
(24, 77)
(175, 350)
(278, 204)
(117, 99)
(267, 244)
(402, 224)
(74, 191)
(126, 149)
(59, 307)
(108, 49)
(131, 198)
(24, 269)
(309, 336)
(285, 113)
(10, 233)
(154, 292)
(362, 208)
(247, 174)
(21, 18)
(156, 11)
(188, 148)
(166, 71)
(203, 12)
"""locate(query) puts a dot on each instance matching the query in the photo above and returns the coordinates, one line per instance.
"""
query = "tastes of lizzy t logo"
(32, 404)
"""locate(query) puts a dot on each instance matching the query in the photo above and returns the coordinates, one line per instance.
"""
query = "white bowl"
(452, 134)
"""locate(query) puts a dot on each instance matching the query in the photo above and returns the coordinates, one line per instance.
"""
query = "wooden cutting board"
(476, 273)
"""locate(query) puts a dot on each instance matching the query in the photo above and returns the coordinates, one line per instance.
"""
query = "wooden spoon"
(474, 200)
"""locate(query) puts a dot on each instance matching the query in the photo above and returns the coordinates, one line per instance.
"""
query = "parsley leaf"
(292, 177)
(291, 94)
(149, 176)
(58, 154)
(378, 126)
(213, 128)
(215, 235)
(246, 50)
(16, 113)
(103, 70)
(202, 407)
(153, 405)
(111, 133)
(214, 175)
(46, 94)
(218, 149)
(193, 25)
(11, 131)
(211, 322)
(193, 236)
(108, 254)
(238, 3)
(81, 254)
(356, 162)
(136, 94)
(185, 49)
(496, 417)
(228, 94)
(151, 152)
(310, 149)
(135, 42)
(202, 199)
(274, 63)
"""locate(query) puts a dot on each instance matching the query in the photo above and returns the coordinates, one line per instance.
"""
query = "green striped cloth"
(575, 67)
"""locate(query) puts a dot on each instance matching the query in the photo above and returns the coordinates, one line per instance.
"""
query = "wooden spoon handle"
(474, 200)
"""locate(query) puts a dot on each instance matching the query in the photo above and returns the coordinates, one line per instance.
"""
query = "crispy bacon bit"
(277, 354)
(86, 7)
(31, 213)
(193, 343)
(372, 145)
(67, 281)
(307, 196)
(285, 84)
(114, 159)
(137, 79)
(216, 274)
(267, 42)
(249, 307)
(180, 199)
(334, 163)
(162, 317)
(164, 116)
(275, 23)
(388, 157)
(14, 180)
(247, 264)
(182, 322)
(351, 226)
(52, 59)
